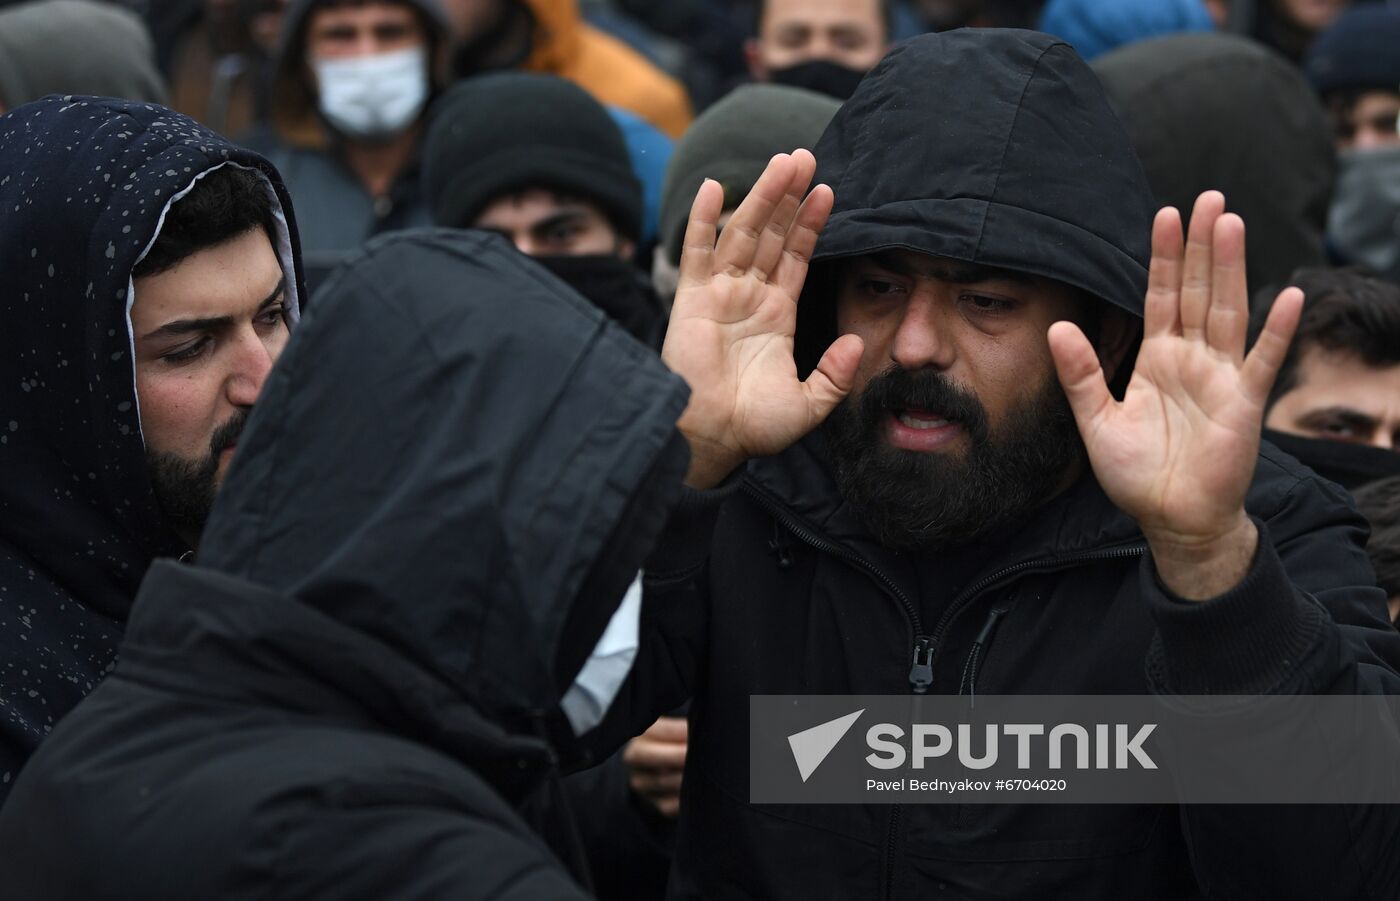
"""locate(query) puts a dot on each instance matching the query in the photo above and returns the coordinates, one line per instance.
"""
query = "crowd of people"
(426, 423)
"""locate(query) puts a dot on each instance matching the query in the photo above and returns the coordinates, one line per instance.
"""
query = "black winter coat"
(451, 476)
(995, 148)
(793, 597)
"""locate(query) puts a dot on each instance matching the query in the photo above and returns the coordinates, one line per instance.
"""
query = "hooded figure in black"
(995, 149)
(1219, 112)
(84, 184)
(438, 505)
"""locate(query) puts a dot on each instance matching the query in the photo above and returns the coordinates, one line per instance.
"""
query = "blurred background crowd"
(378, 115)
(581, 130)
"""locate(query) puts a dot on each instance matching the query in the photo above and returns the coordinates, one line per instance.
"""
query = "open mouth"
(921, 420)
(921, 430)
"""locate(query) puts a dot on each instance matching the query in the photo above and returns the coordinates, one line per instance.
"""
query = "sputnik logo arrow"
(811, 746)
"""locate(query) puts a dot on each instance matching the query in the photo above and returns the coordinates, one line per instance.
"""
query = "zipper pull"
(921, 673)
(974, 659)
(778, 544)
(986, 633)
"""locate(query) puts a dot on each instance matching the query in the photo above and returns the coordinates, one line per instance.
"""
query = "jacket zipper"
(1043, 565)
(925, 646)
(891, 847)
(812, 539)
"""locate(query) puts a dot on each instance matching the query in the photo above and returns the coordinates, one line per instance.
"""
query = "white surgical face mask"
(588, 699)
(373, 96)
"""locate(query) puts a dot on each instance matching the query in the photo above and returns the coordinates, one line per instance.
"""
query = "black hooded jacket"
(84, 183)
(436, 507)
(995, 148)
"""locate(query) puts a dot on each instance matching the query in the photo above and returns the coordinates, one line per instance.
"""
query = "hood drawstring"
(968, 685)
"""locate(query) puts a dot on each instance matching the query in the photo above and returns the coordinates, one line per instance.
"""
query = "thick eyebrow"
(211, 323)
(1353, 418)
(949, 270)
(554, 220)
(846, 29)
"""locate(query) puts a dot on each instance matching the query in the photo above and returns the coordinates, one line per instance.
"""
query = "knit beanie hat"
(1360, 50)
(732, 142)
(76, 47)
(495, 134)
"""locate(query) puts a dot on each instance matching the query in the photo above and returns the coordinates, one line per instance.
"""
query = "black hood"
(1212, 111)
(290, 45)
(461, 459)
(84, 184)
(994, 147)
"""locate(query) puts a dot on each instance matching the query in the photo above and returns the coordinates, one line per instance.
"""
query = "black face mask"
(1349, 465)
(821, 75)
(614, 286)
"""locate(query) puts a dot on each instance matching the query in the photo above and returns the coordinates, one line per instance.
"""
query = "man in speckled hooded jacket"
(150, 279)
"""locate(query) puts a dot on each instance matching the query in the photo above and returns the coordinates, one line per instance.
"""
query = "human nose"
(251, 365)
(921, 339)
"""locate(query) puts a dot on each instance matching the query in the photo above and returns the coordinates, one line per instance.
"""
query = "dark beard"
(185, 488)
(914, 501)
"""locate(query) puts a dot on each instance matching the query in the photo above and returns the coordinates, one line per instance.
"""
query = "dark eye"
(880, 287)
(980, 303)
(273, 315)
(1338, 428)
(188, 353)
(562, 234)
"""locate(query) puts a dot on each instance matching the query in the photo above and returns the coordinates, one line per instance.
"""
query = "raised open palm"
(1178, 452)
(731, 330)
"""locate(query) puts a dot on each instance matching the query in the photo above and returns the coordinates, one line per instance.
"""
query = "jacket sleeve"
(675, 620)
(1306, 619)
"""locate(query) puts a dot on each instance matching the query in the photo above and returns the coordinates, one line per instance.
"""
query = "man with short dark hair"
(151, 277)
(1336, 403)
(822, 45)
(191, 380)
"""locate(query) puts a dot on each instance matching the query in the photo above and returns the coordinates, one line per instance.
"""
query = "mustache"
(924, 389)
(227, 435)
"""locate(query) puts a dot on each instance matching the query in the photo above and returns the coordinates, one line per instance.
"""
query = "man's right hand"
(655, 762)
(732, 325)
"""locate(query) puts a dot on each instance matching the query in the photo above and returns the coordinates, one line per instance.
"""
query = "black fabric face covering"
(1349, 465)
(614, 286)
(821, 75)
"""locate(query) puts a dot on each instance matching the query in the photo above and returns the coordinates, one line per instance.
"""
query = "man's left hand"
(1178, 452)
